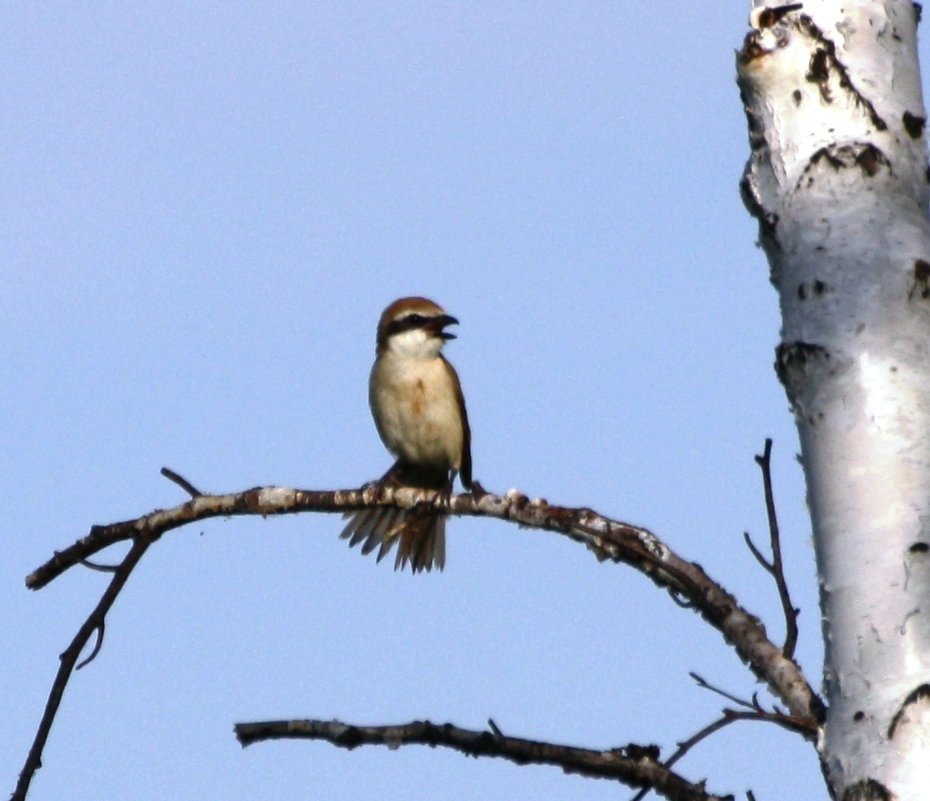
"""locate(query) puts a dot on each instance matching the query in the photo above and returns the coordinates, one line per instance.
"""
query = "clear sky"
(205, 208)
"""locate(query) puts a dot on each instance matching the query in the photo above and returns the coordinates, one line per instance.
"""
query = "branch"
(635, 766)
(706, 685)
(686, 745)
(775, 567)
(752, 710)
(182, 482)
(727, 717)
(756, 712)
(608, 539)
(95, 622)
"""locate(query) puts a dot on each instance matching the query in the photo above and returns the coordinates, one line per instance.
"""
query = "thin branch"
(182, 482)
(777, 569)
(99, 567)
(68, 661)
(732, 716)
(635, 766)
(766, 564)
(686, 746)
(727, 717)
(607, 539)
(98, 644)
(706, 685)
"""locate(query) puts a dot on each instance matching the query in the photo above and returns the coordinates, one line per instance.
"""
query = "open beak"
(438, 324)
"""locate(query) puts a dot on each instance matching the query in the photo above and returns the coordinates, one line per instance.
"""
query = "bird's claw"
(477, 491)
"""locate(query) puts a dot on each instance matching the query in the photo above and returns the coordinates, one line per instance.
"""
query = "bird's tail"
(421, 537)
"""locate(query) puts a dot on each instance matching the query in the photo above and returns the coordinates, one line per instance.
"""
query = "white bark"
(838, 180)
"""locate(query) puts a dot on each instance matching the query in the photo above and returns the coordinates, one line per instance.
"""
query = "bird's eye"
(414, 319)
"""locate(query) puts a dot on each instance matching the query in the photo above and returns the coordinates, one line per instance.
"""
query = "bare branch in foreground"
(609, 540)
(633, 765)
(94, 623)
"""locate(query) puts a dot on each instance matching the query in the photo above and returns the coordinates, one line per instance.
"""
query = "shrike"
(416, 401)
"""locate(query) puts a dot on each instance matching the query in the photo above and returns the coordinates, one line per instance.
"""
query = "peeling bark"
(837, 179)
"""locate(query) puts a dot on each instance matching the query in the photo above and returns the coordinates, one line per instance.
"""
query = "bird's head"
(414, 327)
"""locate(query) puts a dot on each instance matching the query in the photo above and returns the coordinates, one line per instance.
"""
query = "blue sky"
(206, 206)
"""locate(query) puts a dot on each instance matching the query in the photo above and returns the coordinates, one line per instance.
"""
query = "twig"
(98, 644)
(756, 711)
(766, 564)
(68, 660)
(635, 766)
(686, 746)
(775, 567)
(99, 567)
(731, 716)
(182, 482)
(706, 685)
(608, 539)
(727, 717)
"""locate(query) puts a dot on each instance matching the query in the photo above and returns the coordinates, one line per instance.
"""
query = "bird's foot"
(377, 486)
(477, 491)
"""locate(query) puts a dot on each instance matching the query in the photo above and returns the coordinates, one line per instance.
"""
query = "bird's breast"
(416, 409)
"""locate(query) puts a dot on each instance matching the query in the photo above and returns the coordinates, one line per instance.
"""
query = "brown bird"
(416, 401)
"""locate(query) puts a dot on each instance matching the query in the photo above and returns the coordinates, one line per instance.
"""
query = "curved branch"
(95, 622)
(633, 765)
(727, 717)
(609, 540)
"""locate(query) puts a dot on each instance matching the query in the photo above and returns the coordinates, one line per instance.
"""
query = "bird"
(417, 404)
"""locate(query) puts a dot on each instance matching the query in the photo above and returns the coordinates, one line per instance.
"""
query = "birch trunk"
(838, 181)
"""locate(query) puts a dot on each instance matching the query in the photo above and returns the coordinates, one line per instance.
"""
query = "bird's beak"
(437, 324)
